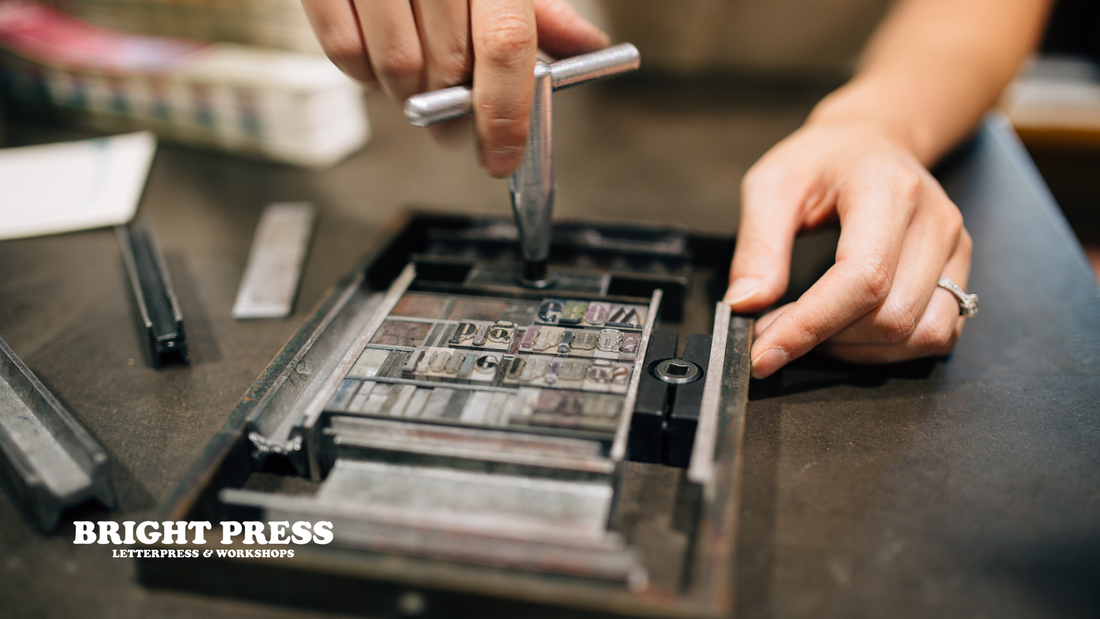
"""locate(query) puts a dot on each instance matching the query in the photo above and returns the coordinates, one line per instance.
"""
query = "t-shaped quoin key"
(532, 185)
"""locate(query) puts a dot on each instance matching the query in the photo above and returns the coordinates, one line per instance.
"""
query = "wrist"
(877, 107)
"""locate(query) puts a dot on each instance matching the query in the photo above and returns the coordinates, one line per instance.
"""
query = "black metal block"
(684, 414)
(647, 426)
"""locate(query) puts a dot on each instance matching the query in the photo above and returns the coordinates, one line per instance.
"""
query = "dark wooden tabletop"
(960, 487)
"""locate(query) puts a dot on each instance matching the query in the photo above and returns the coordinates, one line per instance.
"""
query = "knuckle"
(399, 62)
(449, 69)
(876, 278)
(908, 184)
(897, 325)
(343, 50)
(807, 331)
(507, 42)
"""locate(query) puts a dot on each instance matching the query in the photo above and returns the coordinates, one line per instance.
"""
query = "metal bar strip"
(427, 384)
(714, 548)
(325, 393)
(49, 461)
(701, 466)
(622, 432)
(275, 261)
(421, 451)
(156, 301)
(401, 318)
(400, 429)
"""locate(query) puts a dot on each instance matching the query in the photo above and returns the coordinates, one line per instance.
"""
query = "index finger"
(505, 45)
(873, 221)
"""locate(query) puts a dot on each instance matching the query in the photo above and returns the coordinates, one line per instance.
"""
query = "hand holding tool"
(532, 185)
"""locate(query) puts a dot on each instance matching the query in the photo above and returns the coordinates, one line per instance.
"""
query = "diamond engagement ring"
(968, 303)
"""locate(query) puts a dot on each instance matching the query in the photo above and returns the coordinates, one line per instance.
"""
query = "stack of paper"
(292, 107)
(72, 185)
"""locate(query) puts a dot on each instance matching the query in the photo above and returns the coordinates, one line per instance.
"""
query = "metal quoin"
(532, 185)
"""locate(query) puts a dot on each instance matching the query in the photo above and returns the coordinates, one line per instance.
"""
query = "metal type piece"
(532, 185)
(501, 331)
(624, 317)
(463, 332)
(596, 314)
(550, 311)
(585, 340)
(275, 261)
(677, 371)
(630, 343)
(610, 340)
(573, 313)
(566, 345)
(49, 461)
(162, 321)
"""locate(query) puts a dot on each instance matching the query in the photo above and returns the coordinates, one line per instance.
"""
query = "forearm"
(933, 68)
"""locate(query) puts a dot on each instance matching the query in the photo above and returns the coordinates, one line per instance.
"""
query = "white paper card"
(70, 186)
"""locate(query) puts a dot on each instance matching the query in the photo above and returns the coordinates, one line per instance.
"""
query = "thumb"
(770, 218)
(563, 32)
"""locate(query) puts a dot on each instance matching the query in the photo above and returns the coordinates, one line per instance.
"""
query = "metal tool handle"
(437, 106)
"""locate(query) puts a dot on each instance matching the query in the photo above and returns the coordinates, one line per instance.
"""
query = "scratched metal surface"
(960, 488)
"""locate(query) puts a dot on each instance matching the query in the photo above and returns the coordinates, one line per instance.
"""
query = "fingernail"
(500, 161)
(769, 361)
(743, 289)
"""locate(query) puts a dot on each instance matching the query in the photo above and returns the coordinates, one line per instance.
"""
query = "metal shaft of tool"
(532, 185)
(438, 106)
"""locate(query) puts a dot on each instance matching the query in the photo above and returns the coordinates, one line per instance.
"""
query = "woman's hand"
(413, 46)
(900, 233)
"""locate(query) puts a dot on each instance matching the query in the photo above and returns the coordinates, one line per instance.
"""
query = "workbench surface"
(965, 487)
